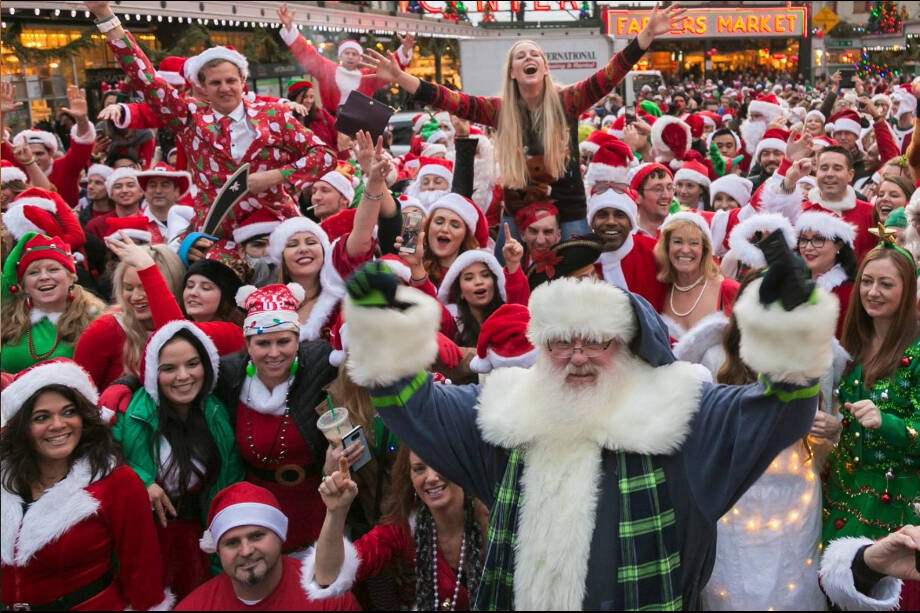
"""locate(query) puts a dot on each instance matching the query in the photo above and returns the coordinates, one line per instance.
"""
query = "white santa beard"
(752, 132)
(430, 197)
(483, 181)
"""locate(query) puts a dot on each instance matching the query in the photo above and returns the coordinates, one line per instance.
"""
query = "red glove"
(115, 398)
(448, 352)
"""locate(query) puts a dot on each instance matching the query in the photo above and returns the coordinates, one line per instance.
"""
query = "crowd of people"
(563, 354)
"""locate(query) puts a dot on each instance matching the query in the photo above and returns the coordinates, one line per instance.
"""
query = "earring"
(250, 369)
(70, 295)
(28, 303)
(294, 366)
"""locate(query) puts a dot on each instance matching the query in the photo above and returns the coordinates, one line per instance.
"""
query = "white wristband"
(109, 24)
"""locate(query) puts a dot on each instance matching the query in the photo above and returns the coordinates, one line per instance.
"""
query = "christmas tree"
(884, 18)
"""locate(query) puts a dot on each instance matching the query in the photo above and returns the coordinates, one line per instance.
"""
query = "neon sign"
(715, 23)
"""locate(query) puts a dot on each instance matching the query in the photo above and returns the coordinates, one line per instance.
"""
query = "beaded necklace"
(447, 605)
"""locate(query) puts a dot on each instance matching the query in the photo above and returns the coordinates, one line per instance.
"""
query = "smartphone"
(357, 434)
(846, 78)
(412, 225)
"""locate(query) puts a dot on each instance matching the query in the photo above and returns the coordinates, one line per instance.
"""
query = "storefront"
(721, 39)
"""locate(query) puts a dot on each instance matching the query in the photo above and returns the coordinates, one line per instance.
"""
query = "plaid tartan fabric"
(496, 590)
(648, 573)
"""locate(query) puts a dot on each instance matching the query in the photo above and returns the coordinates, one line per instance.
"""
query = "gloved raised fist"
(374, 285)
(786, 277)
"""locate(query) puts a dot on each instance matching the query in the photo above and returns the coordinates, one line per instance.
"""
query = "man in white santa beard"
(485, 172)
(752, 130)
(432, 182)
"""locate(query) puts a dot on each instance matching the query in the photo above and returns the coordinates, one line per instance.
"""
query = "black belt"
(67, 601)
(286, 474)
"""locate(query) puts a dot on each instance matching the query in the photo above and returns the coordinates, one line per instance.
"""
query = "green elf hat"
(295, 85)
(31, 247)
(650, 107)
(896, 218)
(9, 281)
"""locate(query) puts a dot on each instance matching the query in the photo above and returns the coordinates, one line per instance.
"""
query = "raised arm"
(375, 166)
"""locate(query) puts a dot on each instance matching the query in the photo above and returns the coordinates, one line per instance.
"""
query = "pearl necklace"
(695, 302)
(687, 288)
(447, 605)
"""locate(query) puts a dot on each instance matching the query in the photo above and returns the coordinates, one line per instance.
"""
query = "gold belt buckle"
(290, 475)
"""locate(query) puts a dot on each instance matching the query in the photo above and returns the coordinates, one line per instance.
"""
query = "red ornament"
(839, 523)
(905, 361)
(820, 33)
(846, 422)
(885, 498)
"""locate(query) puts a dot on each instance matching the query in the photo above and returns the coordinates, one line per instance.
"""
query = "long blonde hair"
(550, 122)
(80, 312)
(135, 333)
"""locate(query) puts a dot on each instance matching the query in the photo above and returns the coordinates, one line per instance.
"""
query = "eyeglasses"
(620, 188)
(816, 241)
(660, 189)
(566, 349)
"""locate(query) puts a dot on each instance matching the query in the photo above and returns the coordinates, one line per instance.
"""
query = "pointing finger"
(343, 468)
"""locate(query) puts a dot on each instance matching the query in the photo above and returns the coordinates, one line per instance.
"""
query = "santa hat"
(398, 267)
(534, 212)
(503, 340)
(137, 227)
(904, 96)
(435, 136)
(614, 200)
(280, 235)
(418, 122)
(436, 167)
(432, 149)
(405, 201)
(272, 308)
(644, 170)
(696, 124)
(242, 504)
(603, 312)
(193, 64)
(296, 85)
(117, 175)
(746, 252)
(735, 186)
(595, 140)
(467, 210)
(30, 248)
(100, 170)
(846, 120)
(824, 141)
(340, 183)
(766, 105)
(693, 171)
(181, 178)
(710, 119)
(150, 361)
(350, 44)
(773, 138)
(465, 259)
(170, 70)
(260, 222)
(34, 210)
(671, 138)
(611, 162)
(57, 371)
(692, 217)
(816, 113)
(339, 224)
(37, 137)
(9, 172)
(825, 223)
(881, 98)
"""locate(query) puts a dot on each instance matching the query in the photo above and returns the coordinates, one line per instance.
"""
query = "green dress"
(16, 357)
(872, 485)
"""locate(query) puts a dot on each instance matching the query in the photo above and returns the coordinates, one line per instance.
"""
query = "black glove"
(374, 285)
(786, 277)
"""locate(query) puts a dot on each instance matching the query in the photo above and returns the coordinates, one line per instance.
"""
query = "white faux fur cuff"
(837, 579)
(791, 346)
(386, 344)
(342, 583)
(289, 36)
(774, 200)
(89, 139)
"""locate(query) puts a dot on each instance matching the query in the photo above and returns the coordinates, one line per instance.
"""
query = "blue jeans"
(578, 227)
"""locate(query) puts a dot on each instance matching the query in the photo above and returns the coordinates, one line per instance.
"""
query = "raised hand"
(7, 98)
(98, 8)
(110, 113)
(337, 490)
(23, 154)
(76, 101)
(659, 23)
(384, 67)
(512, 252)
(796, 149)
(286, 16)
(407, 42)
(364, 151)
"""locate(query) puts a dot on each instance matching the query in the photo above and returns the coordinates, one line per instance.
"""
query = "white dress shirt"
(242, 133)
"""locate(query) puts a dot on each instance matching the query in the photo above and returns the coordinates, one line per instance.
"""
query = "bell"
(885, 395)
(856, 435)
(445, 604)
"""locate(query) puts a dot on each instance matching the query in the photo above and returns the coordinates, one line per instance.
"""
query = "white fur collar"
(257, 397)
(63, 506)
(346, 80)
(848, 202)
(610, 257)
(36, 315)
(834, 277)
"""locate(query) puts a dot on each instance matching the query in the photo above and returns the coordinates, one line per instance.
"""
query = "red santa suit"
(65, 170)
(75, 534)
(335, 81)
(272, 136)
(633, 268)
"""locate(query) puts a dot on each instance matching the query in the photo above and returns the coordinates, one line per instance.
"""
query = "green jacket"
(136, 428)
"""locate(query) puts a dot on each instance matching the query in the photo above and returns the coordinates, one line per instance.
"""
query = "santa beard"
(752, 132)
(484, 173)
(430, 197)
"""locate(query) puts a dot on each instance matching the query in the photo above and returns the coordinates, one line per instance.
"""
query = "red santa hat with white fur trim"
(242, 504)
(100, 170)
(272, 308)
(150, 361)
(117, 175)
(595, 141)
(338, 338)
(773, 138)
(767, 105)
(9, 172)
(260, 222)
(37, 137)
(34, 210)
(827, 224)
(903, 94)
(60, 371)
(134, 226)
(846, 120)
(350, 44)
(503, 340)
(398, 267)
(671, 139)
(694, 171)
(405, 201)
(170, 70)
(193, 64)
(464, 260)
(611, 162)
(467, 210)
(437, 167)
(613, 200)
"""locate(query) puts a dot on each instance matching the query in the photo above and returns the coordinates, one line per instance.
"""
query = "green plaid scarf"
(648, 573)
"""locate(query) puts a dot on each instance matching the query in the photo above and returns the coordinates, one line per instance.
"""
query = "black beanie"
(220, 274)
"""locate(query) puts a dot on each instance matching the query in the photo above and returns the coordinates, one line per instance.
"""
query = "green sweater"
(136, 428)
(15, 357)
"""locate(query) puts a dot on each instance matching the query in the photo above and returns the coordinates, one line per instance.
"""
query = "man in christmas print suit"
(225, 132)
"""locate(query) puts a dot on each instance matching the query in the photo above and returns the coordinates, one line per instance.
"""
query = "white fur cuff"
(89, 139)
(342, 583)
(168, 602)
(289, 36)
(837, 579)
(774, 200)
(791, 346)
(386, 344)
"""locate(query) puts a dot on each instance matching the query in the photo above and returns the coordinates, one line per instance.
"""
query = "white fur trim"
(468, 258)
(248, 514)
(685, 174)
(603, 172)
(733, 185)
(718, 226)
(100, 170)
(739, 240)
(818, 114)
(342, 583)
(705, 337)
(172, 77)
(143, 236)
(847, 203)
(297, 291)
(350, 44)
(193, 64)
(845, 125)
(386, 345)
(769, 143)
(791, 346)
(168, 602)
(40, 376)
(280, 235)
(834, 277)
(493, 360)
(243, 293)
(177, 220)
(612, 200)
(18, 224)
(160, 338)
(63, 506)
(289, 36)
(89, 139)
(339, 183)
(36, 137)
(767, 109)
(435, 169)
(43, 203)
(117, 175)
(586, 146)
(694, 218)
(568, 308)
(11, 173)
(247, 231)
(837, 579)
(658, 127)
